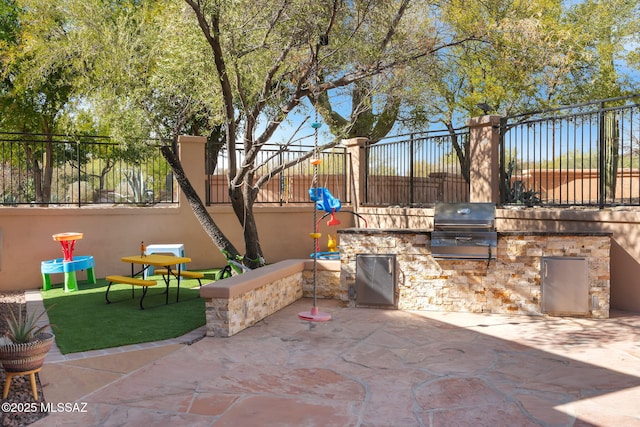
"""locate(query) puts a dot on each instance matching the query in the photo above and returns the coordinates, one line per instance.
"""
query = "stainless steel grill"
(464, 231)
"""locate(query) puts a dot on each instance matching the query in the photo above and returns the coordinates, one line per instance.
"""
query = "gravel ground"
(22, 409)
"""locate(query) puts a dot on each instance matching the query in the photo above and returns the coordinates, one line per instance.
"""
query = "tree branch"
(199, 210)
(212, 35)
(278, 169)
(394, 25)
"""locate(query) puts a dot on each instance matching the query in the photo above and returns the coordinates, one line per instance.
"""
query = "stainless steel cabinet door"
(565, 286)
(375, 280)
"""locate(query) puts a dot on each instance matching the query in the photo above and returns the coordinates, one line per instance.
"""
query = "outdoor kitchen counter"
(554, 233)
(509, 283)
(383, 231)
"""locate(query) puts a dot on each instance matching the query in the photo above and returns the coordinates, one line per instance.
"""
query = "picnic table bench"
(186, 274)
(133, 281)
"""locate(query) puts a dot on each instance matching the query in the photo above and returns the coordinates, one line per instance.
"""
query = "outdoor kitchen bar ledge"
(528, 272)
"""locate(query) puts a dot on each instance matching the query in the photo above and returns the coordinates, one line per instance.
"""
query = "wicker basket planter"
(27, 356)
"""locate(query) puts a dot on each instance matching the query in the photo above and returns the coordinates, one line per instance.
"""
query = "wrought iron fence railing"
(581, 155)
(292, 184)
(49, 170)
(417, 169)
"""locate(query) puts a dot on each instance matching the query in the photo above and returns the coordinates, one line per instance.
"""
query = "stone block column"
(484, 165)
(355, 148)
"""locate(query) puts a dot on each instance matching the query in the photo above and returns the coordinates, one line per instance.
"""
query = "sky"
(305, 136)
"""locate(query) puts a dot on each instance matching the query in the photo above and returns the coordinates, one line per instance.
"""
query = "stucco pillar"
(191, 150)
(484, 170)
(355, 149)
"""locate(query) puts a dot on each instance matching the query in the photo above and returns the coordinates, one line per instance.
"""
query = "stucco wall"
(113, 232)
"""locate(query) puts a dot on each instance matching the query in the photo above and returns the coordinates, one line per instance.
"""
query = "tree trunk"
(36, 170)
(48, 171)
(253, 258)
(463, 153)
(203, 217)
(242, 200)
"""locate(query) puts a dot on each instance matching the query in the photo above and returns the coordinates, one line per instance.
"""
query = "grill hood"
(464, 231)
(470, 216)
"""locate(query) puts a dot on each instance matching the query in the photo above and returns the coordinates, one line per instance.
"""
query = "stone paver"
(374, 368)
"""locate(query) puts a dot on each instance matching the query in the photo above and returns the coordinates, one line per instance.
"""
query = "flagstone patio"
(366, 367)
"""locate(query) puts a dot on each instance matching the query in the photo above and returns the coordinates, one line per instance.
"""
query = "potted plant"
(25, 345)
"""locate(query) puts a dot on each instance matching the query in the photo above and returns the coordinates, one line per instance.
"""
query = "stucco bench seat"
(240, 284)
(237, 302)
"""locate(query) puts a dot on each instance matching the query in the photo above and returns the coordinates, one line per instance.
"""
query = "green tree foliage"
(234, 71)
(9, 32)
(270, 56)
(608, 41)
(145, 70)
(97, 67)
(34, 91)
(370, 107)
(518, 52)
(523, 56)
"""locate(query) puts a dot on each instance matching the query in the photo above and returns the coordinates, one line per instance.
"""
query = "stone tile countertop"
(503, 233)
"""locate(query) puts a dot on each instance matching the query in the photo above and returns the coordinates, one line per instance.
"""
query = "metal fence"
(417, 169)
(292, 184)
(43, 170)
(581, 155)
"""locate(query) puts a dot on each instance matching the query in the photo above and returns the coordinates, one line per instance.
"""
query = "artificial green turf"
(84, 321)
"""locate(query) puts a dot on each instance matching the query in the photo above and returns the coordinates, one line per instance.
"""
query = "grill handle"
(463, 239)
(456, 225)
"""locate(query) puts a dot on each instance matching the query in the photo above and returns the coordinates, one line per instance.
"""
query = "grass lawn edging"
(83, 321)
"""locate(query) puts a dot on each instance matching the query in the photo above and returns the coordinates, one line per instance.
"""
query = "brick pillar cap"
(359, 141)
(484, 120)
